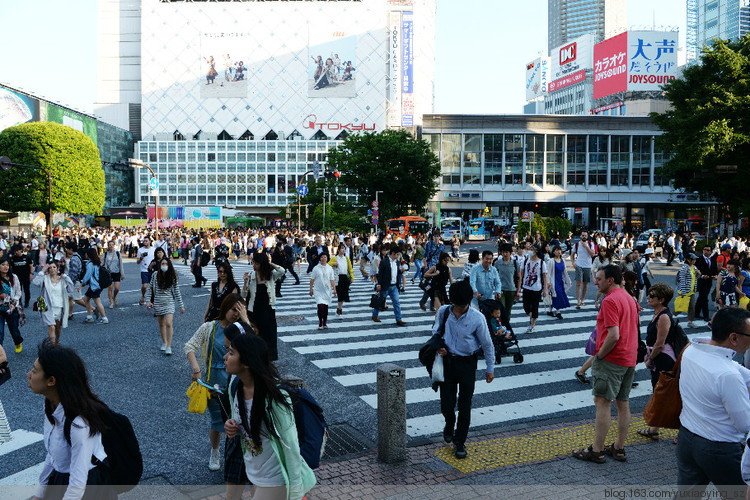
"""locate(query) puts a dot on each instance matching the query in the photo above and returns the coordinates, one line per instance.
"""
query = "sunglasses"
(651, 296)
(743, 334)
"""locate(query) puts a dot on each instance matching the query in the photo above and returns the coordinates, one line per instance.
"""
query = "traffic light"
(332, 174)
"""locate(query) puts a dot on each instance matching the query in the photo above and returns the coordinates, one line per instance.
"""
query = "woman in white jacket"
(55, 290)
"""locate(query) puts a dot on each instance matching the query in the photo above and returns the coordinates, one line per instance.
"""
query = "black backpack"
(677, 337)
(205, 258)
(105, 278)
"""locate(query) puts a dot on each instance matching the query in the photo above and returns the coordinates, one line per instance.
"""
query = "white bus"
(450, 226)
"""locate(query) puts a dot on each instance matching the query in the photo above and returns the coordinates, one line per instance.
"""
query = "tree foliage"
(709, 126)
(69, 155)
(547, 227)
(392, 161)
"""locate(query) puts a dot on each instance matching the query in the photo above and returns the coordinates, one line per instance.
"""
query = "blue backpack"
(312, 430)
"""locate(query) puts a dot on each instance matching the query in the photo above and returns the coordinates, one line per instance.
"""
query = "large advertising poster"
(611, 66)
(407, 59)
(16, 108)
(394, 89)
(652, 59)
(537, 77)
(573, 56)
(72, 119)
(224, 59)
(332, 65)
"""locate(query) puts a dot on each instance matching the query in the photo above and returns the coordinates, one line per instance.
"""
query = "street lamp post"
(138, 164)
(6, 164)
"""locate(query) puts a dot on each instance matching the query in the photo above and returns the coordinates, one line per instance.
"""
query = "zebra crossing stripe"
(19, 438)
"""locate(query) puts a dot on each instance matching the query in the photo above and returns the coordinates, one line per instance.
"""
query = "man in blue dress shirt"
(465, 332)
(485, 280)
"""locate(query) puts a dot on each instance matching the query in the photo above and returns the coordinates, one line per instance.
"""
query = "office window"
(555, 148)
(471, 162)
(450, 150)
(493, 159)
(514, 144)
(534, 158)
(620, 160)
(660, 158)
(598, 160)
(576, 151)
(641, 160)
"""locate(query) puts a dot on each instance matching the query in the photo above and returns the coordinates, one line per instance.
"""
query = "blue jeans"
(392, 292)
(418, 272)
(12, 320)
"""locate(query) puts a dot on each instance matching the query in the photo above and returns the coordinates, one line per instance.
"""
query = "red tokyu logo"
(568, 53)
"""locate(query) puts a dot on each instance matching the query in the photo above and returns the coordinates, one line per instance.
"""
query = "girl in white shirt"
(75, 419)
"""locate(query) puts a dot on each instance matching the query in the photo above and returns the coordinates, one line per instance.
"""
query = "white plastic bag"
(437, 369)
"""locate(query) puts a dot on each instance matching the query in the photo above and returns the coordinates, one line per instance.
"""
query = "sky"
(481, 49)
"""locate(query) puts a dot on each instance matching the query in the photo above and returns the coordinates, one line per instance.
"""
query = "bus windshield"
(395, 225)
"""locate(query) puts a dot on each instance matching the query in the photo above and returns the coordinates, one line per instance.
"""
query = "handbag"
(744, 301)
(377, 301)
(665, 405)
(681, 303)
(547, 299)
(40, 305)
(591, 343)
(4, 372)
(197, 393)
(425, 284)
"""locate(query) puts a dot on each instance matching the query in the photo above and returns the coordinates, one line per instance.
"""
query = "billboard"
(332, 65)
(395, 53)
(224, 59)
(634, 61)
(407, 61)
(16, 108)
(537, 77)
(568, 80)
(72, 119)
(573, 56)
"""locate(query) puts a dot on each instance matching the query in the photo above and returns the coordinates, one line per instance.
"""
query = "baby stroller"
(503, 345)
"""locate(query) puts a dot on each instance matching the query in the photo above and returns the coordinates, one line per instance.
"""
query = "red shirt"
(619, 309)
(722, 259)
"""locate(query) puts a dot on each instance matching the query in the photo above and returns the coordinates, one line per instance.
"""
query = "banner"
(567, 81)
(407, 58)
(573, 57)
(611, 66)
(394, 69)
(537, 77)
(652, 59)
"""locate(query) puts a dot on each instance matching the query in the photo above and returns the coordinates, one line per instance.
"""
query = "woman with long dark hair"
(164, 295)
(10, 304)
(75, 420)
(344, 272)
(55, 289)
(91, 278)
(259, 288)
(262, 417)
(209, 341)
(223, 286)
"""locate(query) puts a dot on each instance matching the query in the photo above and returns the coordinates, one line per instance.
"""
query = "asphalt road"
(338, 365)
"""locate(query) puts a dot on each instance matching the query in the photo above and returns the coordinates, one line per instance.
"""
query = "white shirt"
(394, 270)
(532, 274)
(715, 401)
(34, 244)
(60, 457)
(148, 256)
(583, 259)
(261, 463)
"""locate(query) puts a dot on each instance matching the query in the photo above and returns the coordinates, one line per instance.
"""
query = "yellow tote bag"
(681, 303)
(197, 393)
(744, 301)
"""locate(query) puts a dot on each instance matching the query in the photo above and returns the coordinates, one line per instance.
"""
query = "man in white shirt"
(145, 256)
(582, 255)
(715, 414)
(669, 248)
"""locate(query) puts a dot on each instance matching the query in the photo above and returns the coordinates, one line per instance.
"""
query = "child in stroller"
(503, 338)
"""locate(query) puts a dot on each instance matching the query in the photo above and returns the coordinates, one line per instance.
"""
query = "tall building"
(709, 19)
(569, 19)
(233, 102)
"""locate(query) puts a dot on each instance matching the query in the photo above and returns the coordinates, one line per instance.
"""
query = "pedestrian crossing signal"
(332, 174)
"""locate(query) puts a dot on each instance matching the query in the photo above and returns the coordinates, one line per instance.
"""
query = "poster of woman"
(332, 68)
(223, 65)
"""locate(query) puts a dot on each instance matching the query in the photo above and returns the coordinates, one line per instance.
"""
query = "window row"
(154, 159)
(175, 146)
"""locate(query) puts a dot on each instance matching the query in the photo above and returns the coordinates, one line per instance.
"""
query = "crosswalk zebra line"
(19, 438)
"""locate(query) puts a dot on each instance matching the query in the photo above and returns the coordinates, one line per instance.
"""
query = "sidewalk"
(537, 458)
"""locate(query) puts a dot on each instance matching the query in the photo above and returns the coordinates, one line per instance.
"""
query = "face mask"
(165, 268)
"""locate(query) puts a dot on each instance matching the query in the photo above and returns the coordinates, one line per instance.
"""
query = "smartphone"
(215, 389)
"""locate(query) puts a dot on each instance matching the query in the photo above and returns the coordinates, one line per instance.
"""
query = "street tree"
(707, 133)
(69, 155)
(392, 161)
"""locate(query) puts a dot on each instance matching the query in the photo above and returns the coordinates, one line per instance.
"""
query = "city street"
(338, 366)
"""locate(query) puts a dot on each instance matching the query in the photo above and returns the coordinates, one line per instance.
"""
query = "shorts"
(214, 411)
(116, 277)
(611, 381)
(93, 294)
(57, 314)
(145, 277)
(583, 274)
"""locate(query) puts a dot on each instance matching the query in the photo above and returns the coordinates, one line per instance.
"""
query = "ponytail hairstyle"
(253, 353)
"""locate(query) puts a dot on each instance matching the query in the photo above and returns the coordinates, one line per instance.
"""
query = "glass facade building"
(709, 19)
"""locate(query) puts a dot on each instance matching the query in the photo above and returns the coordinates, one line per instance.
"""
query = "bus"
(401, 227)
(450, 226)
(696, 225)
(481, 228)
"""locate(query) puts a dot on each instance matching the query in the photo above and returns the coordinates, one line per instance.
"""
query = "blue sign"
(369, 212)
(302, 189)
(375, 221)
(153, 184)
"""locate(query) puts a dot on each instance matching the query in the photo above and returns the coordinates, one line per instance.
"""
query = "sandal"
(613, 452)
(651, 435)
(589, 455)
(581, 377)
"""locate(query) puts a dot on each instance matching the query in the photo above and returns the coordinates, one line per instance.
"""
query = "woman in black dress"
(259, 288)
(220, 289)
(440, 275)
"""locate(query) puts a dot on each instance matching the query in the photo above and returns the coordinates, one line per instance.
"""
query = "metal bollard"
(391, 413)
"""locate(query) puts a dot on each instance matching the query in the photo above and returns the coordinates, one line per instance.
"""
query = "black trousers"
(25, 283)
(198, 273)
(701, 303)
(700, 461)
(460, 378)
(289, 266)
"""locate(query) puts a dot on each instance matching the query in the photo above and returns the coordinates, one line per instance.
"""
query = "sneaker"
(168, 351)
(551, 314)
(214, 463)
(102, 321)
(89, 319)
(163, 347)
(19, 348)
(460, 452)
(111, 305)
(558, 316)
(530, 329)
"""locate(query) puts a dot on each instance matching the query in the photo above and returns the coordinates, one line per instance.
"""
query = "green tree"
(70, 156)
(709, 125)
(392, 161)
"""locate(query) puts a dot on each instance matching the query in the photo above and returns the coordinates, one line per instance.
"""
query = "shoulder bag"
(377, 301)
(428, 352)
(197, 393)
(665, 405)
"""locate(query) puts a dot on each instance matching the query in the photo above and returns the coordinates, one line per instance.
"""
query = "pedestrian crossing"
(353, 346)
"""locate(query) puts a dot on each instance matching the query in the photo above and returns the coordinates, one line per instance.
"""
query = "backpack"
(312, 430)
(82, 272)
(205, 258)
(105, 278)
(123, 452)
(677, 337)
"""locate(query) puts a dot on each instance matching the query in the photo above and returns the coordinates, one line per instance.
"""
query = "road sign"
(153, 184)
(316, 170)
(527, 216)
(369, 212)
(302, 189)
(375, 212)
(374, 204)
(375, 221)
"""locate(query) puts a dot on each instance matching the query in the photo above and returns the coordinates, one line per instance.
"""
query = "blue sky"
(481, 49)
